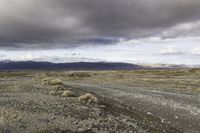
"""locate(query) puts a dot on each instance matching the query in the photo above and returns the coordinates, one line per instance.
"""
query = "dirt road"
(181, 110)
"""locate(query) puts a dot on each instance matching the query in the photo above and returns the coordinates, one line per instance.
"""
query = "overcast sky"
(134, 31)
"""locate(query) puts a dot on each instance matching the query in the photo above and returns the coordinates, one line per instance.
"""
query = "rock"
(124, 120)
(2, 120)
(7, 130)
(102, 106)
(105, 132)
(80, 130)
(52, 93)
(149, 113)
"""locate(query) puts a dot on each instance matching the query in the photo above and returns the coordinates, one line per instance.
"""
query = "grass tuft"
(54, 82)
(88, 98)
(79, 75)
(55, 93)
(66, 93)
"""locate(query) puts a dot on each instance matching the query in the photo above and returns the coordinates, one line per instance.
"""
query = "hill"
(32, 65)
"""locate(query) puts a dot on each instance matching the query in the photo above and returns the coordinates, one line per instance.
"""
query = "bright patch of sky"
(148, 51)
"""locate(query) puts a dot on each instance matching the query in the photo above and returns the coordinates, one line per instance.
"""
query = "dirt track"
(181, 110)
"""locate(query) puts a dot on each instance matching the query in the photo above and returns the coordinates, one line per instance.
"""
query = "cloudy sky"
(134, 31)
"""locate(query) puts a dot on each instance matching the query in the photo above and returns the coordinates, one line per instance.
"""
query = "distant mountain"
(32, 65)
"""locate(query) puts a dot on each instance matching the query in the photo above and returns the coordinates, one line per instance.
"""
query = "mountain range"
(32, 65)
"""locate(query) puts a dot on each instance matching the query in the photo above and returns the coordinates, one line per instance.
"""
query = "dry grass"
(67, 93)
(54, 82)
(88, 98)
(7, 74)
(46, 81)
(179, 80)
(55, 93)
(79, 75)
(58, 87)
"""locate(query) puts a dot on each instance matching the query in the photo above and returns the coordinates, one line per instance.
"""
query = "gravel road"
(180, 110)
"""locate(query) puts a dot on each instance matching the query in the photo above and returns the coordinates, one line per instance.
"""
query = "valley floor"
(128, 101)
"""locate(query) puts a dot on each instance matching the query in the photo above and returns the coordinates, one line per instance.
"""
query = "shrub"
(78, 75)
(46, 81)
(87, 98)
(56, 82)
(66, 93)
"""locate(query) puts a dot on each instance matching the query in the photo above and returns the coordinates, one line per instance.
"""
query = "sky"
(132, 31)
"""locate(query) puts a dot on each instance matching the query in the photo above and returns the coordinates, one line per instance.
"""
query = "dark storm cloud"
(44, 23)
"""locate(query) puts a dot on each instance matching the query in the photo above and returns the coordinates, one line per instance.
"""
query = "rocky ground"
(29, 105)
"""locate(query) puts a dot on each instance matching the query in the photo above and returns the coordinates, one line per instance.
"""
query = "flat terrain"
(143, 101)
